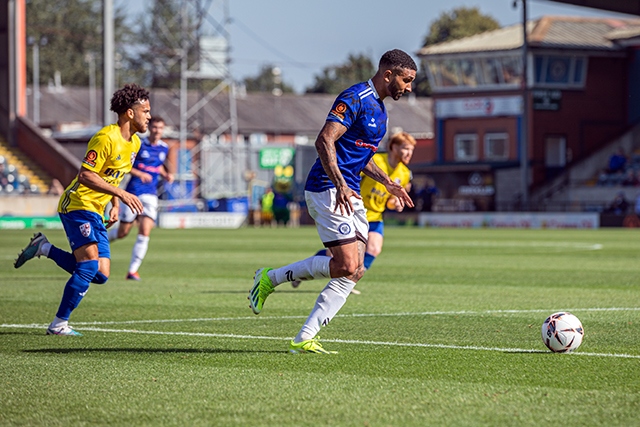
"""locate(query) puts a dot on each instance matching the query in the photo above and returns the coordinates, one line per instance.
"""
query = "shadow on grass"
(146, 350)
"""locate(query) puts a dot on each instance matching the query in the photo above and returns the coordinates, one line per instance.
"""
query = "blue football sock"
(67, 262)
(100, 278)
(64, 259)
(368, 260)
(76, 287)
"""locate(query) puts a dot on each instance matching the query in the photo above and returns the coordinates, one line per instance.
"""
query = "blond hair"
(401, 138)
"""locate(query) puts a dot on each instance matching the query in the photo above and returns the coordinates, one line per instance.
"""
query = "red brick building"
(582, 93)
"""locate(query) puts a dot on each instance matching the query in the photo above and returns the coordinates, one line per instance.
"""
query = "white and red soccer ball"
(562, 332)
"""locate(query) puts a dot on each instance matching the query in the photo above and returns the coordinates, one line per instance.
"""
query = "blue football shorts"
(376, 227)
(84, 227)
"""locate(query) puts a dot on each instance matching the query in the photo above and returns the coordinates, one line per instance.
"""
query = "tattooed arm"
(326, 147)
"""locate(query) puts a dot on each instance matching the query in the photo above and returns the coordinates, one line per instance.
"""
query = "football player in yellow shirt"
(109, 156)
(375, 196)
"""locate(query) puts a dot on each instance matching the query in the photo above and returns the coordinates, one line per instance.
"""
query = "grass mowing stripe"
(434, 288)
(357, 342)
(422, 313)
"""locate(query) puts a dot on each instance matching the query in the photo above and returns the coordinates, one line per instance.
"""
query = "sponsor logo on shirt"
(373, 123)
(361, 143)
(339, 110)
(90, 158)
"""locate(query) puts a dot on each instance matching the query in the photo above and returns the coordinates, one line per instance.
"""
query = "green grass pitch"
(446, 332)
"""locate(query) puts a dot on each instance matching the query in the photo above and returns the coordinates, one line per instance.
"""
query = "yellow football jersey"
(374, 194)
(111, 157)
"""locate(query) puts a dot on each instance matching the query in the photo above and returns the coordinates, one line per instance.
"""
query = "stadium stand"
(626, 176)
(19, 174)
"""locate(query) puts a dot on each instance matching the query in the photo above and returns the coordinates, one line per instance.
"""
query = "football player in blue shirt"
(346, 144)
(149, 166)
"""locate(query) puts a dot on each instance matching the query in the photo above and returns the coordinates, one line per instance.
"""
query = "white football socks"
(315, 267)
(329, 302)
(58, 323)
(138, 253)
(112, 233)
(45, 248)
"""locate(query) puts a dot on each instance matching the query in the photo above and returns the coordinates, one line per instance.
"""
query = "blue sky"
(302, 37)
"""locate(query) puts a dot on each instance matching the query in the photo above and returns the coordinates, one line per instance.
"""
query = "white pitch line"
(422, 313)
(357, 342)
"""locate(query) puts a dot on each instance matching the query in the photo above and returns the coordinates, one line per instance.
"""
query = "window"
(459, 73)
(491, 69)
(466, 147)
(511, 70)
(468, 71)
(496, 146)
(560, 71)
(449, 73)
(555, 151)
(433, 69)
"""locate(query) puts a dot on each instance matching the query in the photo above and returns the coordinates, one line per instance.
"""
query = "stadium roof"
(631, 7)
(288, 114)
(605, 34)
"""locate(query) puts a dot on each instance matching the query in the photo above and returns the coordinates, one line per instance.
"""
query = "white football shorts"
(150, 204)
(334, 228)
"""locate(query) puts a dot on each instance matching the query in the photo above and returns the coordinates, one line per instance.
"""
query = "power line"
(268, 46)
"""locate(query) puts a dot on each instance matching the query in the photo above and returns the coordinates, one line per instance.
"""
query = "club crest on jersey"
(85, 229)
(344, 228)
(90, 158)
(133, 156)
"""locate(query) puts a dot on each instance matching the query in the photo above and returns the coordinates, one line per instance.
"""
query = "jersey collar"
(147, 141)
(375, 92)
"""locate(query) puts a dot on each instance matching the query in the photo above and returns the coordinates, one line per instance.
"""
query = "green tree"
(161, 34)
(459, 23)
(158, 42)
(335, 79)
(68, 31)
(268, 79)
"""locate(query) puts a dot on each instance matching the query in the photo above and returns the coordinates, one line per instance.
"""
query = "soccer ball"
(562, 332)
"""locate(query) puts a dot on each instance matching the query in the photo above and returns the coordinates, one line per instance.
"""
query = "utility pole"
(107, 44)
(524, 150)
(36, 82)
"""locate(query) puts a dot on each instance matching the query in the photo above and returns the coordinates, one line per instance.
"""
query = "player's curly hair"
(397, 58)
(125, 98)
